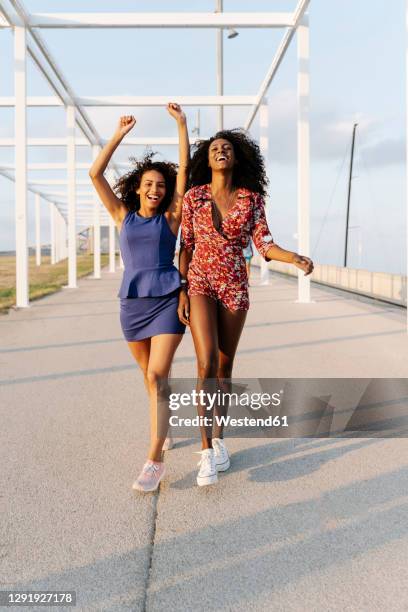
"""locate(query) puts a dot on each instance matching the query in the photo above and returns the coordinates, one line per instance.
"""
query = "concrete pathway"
(295, 525)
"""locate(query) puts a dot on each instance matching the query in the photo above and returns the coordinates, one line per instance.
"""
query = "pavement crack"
(151, 548)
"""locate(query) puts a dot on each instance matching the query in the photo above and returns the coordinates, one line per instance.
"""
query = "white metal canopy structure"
(67, 206)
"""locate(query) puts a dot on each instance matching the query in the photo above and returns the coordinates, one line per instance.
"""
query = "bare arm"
(300, 261)
(185, 257)
(267, 248)
(183, 310)
(112, 203)
(174, 210)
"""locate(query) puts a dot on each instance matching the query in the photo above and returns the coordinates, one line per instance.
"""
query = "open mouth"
(221, 158)
(153, 198)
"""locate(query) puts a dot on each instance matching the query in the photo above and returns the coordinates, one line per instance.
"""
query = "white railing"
(380, 285)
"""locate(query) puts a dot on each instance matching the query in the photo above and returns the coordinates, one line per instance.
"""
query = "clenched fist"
(176, 111)
(126, 123)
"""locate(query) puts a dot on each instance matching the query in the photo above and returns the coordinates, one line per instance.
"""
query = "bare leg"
(203, 325)
(230, 326)
(141, 353)
(162, 351)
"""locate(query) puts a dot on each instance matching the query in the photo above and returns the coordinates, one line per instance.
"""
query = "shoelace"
(207, 458)
(152, 467)
(221, 450)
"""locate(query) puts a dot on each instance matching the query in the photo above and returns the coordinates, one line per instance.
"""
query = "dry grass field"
(43, 279)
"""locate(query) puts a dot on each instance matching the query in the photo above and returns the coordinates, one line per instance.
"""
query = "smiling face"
(221, 155)
(152, 189)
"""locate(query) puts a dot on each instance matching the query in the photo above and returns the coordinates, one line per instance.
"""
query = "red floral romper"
(217, 268)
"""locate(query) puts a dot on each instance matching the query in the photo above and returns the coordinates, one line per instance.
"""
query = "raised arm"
(112, 203)
(174, 211)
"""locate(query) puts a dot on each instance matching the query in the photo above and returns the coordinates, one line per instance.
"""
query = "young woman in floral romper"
(222, 211)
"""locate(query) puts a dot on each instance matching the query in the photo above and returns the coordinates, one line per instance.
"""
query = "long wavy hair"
(126, 186)
(249, 170)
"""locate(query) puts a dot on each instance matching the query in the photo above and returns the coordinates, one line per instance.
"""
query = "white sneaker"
(207, 474)
(222, 460)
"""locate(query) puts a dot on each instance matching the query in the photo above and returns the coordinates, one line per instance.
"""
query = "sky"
(357, 76)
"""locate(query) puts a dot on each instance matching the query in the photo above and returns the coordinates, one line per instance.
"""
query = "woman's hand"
(176, 112)
(183, 309)
(304, 263)
(126, 123)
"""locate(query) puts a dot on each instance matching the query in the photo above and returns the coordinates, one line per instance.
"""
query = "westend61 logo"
(255, 401)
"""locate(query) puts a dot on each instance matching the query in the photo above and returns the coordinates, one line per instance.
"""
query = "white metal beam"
(82, 142)
(276, 62)
(47, 182)
(148, 101)
(20, 130)
(72, 258)
(51, 72)
(52, 166)
(42, 58)
(264, 146)
(90, 201)
(64, 194)
(219, 55)
(6, 174)
(3, 22)
(161, 20)
(303, 229)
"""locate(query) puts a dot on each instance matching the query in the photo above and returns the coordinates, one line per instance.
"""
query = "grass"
(43, 280)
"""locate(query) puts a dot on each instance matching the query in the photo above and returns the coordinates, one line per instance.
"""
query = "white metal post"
(72, 255)
(220, 68)
(63, 242)
(61, 236)
(112, 264)
(65, 239)
(406, 160)
(20, 130)
(56, 221)
(96, 226)
(111, 245)
(37, 229)
(58, 236)
(263, 143)
(303, 155)
(52, 232)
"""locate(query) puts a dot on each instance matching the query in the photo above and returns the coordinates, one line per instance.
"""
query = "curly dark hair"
(249, 171)
(126, 186)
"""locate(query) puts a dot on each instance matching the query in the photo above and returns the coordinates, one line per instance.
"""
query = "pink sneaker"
(150, 476)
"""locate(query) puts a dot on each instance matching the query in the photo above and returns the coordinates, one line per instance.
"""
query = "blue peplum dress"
(151, 282)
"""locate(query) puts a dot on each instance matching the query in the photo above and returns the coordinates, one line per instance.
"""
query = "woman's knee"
(225, 370)
(207, 366)
(153, 377)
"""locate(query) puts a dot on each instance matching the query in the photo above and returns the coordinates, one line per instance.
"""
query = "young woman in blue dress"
(146, 206)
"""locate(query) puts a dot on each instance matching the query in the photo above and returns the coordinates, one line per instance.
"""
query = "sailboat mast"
(349, 192)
